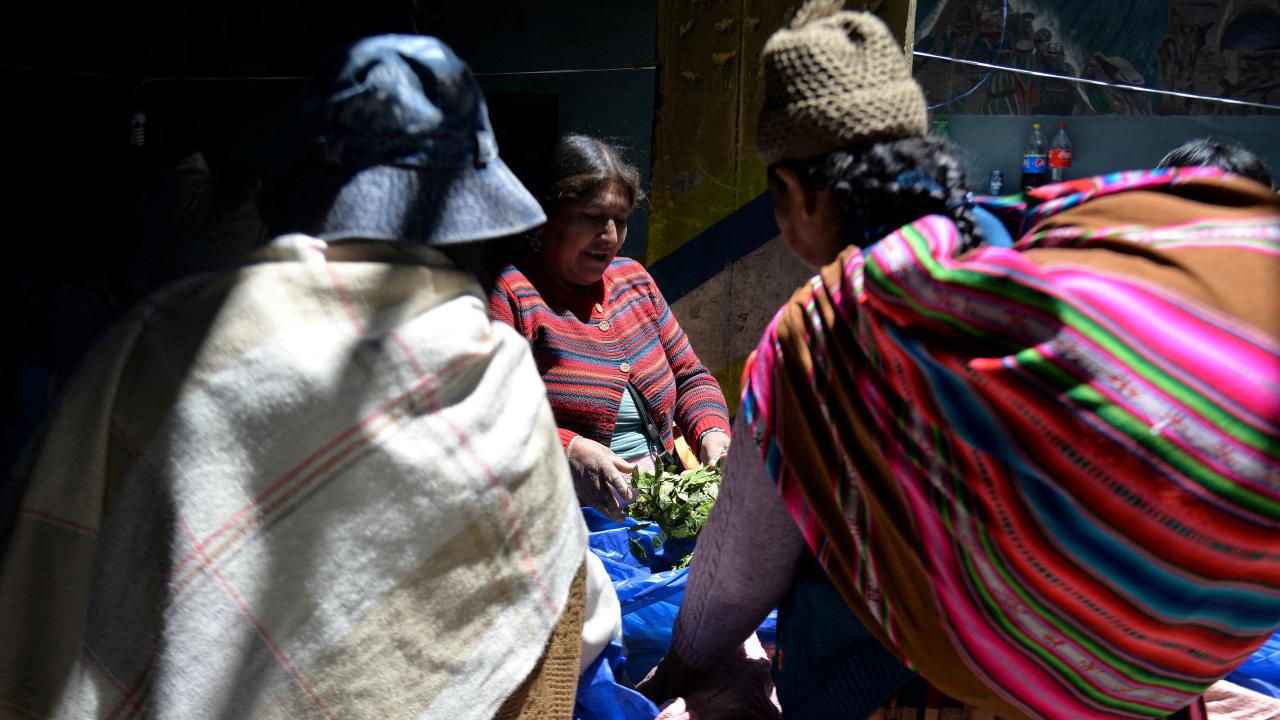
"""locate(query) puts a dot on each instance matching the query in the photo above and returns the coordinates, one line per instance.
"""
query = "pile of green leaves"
(677, 502)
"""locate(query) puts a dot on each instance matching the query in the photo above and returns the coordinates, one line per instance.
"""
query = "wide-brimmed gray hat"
(403, 122)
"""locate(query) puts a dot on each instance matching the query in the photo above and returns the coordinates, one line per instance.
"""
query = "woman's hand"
(715, 445)
(741, 687)
(602, 479)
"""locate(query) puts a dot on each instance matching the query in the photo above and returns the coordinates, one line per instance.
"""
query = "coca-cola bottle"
(1035, 163)
(1059, 155)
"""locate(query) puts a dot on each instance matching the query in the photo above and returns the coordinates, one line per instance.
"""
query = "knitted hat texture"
(833, 79)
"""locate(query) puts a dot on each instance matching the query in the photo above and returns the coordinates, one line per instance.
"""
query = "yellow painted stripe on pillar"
(711, 201)
(730, 378)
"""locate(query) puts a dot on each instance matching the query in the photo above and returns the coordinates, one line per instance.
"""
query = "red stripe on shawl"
(1208, 346)
(181, 522)
(59, 520)
(504, 496)
(1005, 493)
(1029, 527)
(1124, 458)
(981, 642)
(424, 386)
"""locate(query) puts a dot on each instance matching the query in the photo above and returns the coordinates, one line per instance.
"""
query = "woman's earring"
(535, 244)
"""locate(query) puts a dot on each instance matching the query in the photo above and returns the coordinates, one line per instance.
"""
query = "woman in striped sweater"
(606, 343)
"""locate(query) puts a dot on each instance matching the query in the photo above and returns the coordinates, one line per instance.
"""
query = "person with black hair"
(879, 186)
(1004, 479)
(620, 372)
(1207, 152)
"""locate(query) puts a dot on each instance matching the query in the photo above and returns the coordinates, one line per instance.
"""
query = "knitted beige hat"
(833, 79)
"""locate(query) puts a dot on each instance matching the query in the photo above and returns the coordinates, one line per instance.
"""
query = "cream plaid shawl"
(321, 485)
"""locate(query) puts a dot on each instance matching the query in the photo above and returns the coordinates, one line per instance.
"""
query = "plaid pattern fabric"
(322, 485)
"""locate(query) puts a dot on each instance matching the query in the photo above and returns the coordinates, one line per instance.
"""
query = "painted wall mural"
(1214, 48)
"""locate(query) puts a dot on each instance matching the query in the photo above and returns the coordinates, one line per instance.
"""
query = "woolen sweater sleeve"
(700, 404)
(504, 306)
(743, 564)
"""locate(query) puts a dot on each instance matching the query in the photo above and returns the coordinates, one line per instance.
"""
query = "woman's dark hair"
(580, 165)
(1206, 152)
(882, 185)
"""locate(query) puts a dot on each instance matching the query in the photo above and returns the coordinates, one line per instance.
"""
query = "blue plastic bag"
(649, 599)
(1261, 672)
(602, 697)
(649, 591)
(614, 540)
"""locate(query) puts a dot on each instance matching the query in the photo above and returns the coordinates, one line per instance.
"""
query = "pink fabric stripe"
(1082, 343)
(132, 699)
(1267, 249)
(344, 299)
(1214, 356)
(1185, 483)
(59, 520)
(939, 235)
(799, 509)
(997, 501)
(424, 385)
(504, 498)
(235, 597)
(1257, 233)
(1217, 461)
(973, 635)
(135, 706)
(945, 299)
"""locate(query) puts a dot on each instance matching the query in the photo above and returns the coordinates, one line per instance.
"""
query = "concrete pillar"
(712, 245)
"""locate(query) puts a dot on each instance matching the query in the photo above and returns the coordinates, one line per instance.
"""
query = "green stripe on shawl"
(1113, 661)
(1073, 318)
(1064, 671)
(1137, 430)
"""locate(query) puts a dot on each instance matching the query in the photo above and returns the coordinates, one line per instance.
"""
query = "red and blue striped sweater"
(588, 346)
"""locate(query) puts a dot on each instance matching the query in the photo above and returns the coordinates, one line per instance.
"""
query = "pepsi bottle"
(1035, 160)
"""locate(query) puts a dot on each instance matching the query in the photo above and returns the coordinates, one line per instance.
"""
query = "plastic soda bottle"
(1059, 155)
(1035, 160)
(996, 184)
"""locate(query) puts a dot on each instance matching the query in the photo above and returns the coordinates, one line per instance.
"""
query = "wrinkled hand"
(740, 688)
(715, 445)
(602, 479)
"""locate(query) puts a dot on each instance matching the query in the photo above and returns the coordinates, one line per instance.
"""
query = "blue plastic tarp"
(650, 591)
(1261, 672)
(602, 697)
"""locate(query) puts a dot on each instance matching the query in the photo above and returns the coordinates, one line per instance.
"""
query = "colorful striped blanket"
(1047, 476)
(321, 485)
